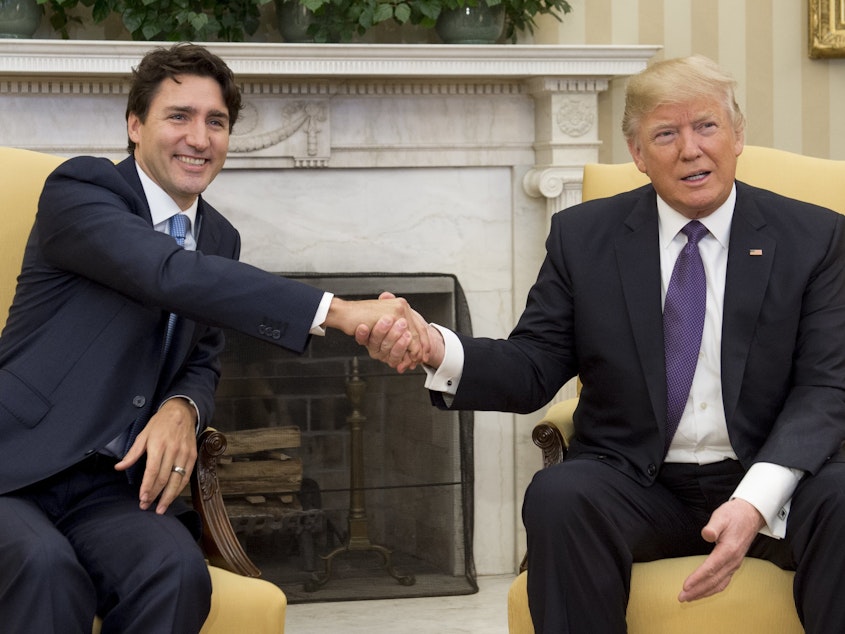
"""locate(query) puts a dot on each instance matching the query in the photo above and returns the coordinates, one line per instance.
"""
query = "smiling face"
(183, 142)
(689, 151)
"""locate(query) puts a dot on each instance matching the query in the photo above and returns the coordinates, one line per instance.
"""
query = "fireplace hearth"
(343, 482)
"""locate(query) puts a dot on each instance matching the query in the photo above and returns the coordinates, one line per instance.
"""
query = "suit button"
(271, 331)
(652, 470)
(139, 401)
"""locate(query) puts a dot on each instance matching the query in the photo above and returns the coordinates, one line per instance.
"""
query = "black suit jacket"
(595, 311)
(80, 356)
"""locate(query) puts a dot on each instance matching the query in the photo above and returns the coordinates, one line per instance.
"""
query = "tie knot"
(179, 227)
(694, 231)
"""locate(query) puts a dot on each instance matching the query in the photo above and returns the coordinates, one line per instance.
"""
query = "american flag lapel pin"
(755, 251)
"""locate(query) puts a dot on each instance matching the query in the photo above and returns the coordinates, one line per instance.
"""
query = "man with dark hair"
(162, 63)
(705, 319)
(109, 362)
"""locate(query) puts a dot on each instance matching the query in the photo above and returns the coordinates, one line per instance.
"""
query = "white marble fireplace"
(373, 158)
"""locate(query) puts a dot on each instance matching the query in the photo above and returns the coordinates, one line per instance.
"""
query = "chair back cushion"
(22, 176)
(814, 180)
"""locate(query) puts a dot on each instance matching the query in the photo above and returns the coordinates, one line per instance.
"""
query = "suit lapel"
(209, 230)
(750, 257)
(641, 287)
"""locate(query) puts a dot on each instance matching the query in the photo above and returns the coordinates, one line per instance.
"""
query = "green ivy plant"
(342, 20)
(166, 20)
(519, 14)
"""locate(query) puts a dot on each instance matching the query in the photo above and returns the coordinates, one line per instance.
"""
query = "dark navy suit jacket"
(80, 355)
(595, 311)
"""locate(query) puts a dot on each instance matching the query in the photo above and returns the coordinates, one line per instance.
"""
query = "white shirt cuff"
(320, 316)
(447, 377)
(768, 488)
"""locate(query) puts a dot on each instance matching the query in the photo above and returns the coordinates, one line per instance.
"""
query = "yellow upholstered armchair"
(240, 602)
(759, 598)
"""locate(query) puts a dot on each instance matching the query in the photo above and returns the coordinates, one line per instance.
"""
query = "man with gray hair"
(705, 319)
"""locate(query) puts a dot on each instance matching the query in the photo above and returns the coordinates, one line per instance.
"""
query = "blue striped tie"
(177, 227)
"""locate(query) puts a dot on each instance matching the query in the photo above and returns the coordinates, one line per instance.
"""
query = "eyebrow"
(191, 110)
(705, 115)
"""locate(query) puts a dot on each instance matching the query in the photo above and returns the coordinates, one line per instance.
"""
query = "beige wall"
(792, 102)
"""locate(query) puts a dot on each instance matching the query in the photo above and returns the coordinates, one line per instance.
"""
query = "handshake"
(390, 329)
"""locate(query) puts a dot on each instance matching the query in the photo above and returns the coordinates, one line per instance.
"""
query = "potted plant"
(168, 20)
(342, 20)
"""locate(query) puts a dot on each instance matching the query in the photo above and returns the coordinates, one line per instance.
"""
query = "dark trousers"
(587, 523)
(78, 544)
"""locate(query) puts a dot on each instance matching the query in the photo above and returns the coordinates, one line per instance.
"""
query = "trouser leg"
(814, 530)
(43, 587)
(150, 574)
(82, 536)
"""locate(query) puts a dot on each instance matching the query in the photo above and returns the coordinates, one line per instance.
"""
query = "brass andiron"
(358, 538)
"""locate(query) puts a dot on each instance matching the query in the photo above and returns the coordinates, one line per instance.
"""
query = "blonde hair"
(676, 81)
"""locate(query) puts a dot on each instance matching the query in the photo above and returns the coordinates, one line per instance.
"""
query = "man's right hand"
(732, 528)
(348, 316)
(390, 341)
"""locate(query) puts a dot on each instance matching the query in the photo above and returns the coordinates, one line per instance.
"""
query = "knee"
(555, 498)
(578, 496)
(43, 575)
(44, 559)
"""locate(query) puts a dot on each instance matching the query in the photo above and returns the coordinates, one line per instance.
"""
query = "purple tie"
(683, 323)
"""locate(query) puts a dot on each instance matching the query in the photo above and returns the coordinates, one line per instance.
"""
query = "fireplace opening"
(341, 480)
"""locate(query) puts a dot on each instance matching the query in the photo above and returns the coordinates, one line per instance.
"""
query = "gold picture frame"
(827, 28)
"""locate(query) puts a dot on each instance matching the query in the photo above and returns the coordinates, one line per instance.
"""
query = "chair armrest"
(553, 432)
(219, 542)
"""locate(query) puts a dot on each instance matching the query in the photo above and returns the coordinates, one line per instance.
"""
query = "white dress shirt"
(702, 435)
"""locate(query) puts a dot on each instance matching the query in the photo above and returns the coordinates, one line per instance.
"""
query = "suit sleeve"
(90, 223)
(523, 372)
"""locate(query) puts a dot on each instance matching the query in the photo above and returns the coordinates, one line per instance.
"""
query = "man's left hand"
(732, 527)
(169, 440)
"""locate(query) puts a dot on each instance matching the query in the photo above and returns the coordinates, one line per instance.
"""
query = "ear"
(634, 149)
(133, 127)
(739, 143)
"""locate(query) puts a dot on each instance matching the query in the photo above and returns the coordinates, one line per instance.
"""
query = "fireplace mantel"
(79, 59)
(361, 158)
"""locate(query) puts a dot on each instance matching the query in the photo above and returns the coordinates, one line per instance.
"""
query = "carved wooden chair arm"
(219, 542)
(553, 432)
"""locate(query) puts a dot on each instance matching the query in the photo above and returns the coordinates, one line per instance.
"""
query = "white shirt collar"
(162, 206)
(718, 223)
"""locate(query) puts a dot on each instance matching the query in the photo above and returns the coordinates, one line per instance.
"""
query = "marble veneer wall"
(359, 158)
